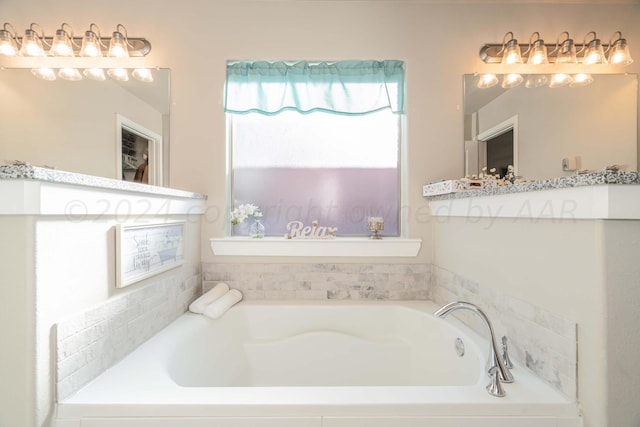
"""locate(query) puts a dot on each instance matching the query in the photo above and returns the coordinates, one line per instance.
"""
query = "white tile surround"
(89, 342)
(321, 280)
(538, 339)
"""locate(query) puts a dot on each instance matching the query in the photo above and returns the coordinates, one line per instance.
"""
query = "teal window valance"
(344, 87)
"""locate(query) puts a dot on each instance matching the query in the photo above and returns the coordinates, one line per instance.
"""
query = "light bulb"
(581, 79)
(487, 81)
(118, 74)
(94, 74)
(118, 46)
(560, 80)
(70, 74)
(31, 44)
(536, 80)
(143, 75)
(8, 46)
(511, 80)
(44, 73)
(90, 45)
(61, 45)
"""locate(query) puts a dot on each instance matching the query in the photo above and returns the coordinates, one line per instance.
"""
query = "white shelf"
(338, 247)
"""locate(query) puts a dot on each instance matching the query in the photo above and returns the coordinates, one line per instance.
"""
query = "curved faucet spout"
(494, 358)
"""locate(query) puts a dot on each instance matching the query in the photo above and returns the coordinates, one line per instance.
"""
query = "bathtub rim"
(540, 400)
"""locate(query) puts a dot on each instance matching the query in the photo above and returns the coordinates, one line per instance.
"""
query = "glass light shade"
(511, 80)
(94, 74)
(512, 53)
(594, 53)
(90, 45)
(536, 80)
(538, 54)
(581, 79)
(567, 53)
(31, 44)
(143, 75)
(619, 53)
(560, 80)
(487, 81)
(118, 46)
(61, 45)
(71, 74)
(118, 74)
(44, 73)
(8, 46)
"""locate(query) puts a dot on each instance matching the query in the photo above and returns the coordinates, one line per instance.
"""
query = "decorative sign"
(146, 250)
(297, 230)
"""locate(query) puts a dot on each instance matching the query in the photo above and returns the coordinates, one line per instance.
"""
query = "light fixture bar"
(138, 47)
(64, 44)
(492, 53)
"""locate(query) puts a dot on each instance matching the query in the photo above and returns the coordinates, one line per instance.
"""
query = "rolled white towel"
(222, 304)
(207, 298)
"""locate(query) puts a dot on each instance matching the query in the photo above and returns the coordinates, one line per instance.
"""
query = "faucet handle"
(495, 387)
(505, 353)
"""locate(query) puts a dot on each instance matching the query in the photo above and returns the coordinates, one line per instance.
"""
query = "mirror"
(556, 131)
(77, 126)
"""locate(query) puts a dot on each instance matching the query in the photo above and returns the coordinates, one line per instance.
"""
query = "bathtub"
(313, 364)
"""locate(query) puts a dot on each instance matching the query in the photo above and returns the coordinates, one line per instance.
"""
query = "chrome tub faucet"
(496, 367)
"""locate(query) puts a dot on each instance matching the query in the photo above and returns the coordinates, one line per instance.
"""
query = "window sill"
(338, 247)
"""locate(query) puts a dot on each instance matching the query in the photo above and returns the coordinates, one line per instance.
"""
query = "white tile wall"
(89, 342)
(322, 281)
(538, 339)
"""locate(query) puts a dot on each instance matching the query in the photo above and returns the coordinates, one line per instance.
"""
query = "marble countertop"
(596, 178)
(62, 177)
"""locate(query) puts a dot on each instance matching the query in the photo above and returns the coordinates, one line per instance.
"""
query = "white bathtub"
(304, 364)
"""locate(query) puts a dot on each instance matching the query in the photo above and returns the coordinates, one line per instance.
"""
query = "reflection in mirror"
(595, 124)
(74, 125)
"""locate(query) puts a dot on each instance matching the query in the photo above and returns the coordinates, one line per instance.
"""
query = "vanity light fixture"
(118, 44)
(32, 42)
(581, 79)
(511, 80)
(65, 44)
(8, 40)
(71, 74)
(62, 42)
(44, 73)
(619, 50)
(487, 80)
(118, 74)
(91, 43)
(94, 74)
(537, 52)
(536, 80)
(593, 51)
(560, 80)
(565, 51)
(143, 75)
(511, 53)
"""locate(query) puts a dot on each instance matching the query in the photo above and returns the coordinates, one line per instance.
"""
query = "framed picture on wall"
(143, 251)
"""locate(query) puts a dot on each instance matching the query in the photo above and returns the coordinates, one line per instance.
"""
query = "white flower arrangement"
(242, 212)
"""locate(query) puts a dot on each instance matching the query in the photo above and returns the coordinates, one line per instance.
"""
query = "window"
(315, 150)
